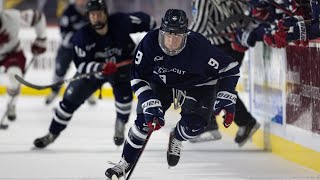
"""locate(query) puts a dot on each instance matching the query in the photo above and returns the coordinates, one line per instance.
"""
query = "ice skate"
(11, 112)
(118, 170)
(174, 149)
(211, 133)
(44, 141)
(245, 133)
(92, 100)
(52, 96)
(119, 132)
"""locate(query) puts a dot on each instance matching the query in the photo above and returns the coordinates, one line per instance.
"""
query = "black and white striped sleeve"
(200, 13)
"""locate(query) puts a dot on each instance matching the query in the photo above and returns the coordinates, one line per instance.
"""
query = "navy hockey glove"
(153, 113)
(286, 23)
(225, 101)
(243, 40)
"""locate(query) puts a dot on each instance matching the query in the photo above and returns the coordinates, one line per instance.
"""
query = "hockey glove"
(278, 40)
(286, 23)
(107, 68)
(153, 113)
(260, 13)
(243, 40)
(299, 32)
(225, 101)
(39, 46)
(238, 47)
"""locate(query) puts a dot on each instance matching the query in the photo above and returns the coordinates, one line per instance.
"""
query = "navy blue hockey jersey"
(198, 64)
(91, 49)
(70, 21)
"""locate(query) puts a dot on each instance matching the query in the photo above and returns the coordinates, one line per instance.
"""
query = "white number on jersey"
(135, 20)
(163, 78)
(138, 57)
(212, 62)
(80, 52)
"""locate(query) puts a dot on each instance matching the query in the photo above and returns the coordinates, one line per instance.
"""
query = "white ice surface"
(85, 147)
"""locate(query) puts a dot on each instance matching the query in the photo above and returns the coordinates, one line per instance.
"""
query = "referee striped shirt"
(207, 14)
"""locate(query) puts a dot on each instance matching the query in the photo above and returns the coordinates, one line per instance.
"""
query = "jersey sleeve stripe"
(230, 66)
(208, 83)
(136, 81)
(142, 89)
(89, 66)
(81, 66)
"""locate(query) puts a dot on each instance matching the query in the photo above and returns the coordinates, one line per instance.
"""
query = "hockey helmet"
(173, 32)
(97, 5)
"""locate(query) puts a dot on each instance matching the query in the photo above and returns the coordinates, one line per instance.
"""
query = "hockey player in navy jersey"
(174, 64)
(73, 18)
(97, 47)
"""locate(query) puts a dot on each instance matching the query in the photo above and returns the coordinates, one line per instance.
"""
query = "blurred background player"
(207, 15)
(73, 18)
(98, 46)
(11, 54)
(173, 64)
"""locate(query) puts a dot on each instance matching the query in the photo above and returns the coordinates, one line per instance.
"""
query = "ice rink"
(83, 150)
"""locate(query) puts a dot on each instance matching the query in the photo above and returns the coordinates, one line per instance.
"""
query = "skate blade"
(114, 177)
(254, 129)
(206, 137)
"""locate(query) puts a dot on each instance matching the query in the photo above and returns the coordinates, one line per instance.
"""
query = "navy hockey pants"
(195, 113)
(78, 91)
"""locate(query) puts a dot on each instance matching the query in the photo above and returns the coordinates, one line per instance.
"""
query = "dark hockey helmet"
(173, 32)
(97, 5)
(81, 6)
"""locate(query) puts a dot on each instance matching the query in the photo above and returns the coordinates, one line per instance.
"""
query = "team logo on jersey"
(174, 18)
(108, 53)
(158, 58)
(163, 70)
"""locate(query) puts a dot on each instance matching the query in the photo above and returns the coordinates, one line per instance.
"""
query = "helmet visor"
(172, 43)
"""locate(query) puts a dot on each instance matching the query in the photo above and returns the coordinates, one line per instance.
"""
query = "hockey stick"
(142, 149)
(5, 126)
(230, 34)
(285, 10)
(233, 19)
(59, 83)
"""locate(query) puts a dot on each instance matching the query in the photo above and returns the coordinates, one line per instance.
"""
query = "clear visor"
(170, 43)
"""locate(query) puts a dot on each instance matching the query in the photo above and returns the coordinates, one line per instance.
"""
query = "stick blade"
(34, 86)
(4, 126)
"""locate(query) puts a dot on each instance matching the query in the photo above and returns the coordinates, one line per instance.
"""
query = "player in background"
(207, 14)
(73, 18)
(174, 64)
(12, 57)
(98, 46)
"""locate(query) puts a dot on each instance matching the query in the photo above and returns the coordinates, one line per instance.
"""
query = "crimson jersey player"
(12, 57)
